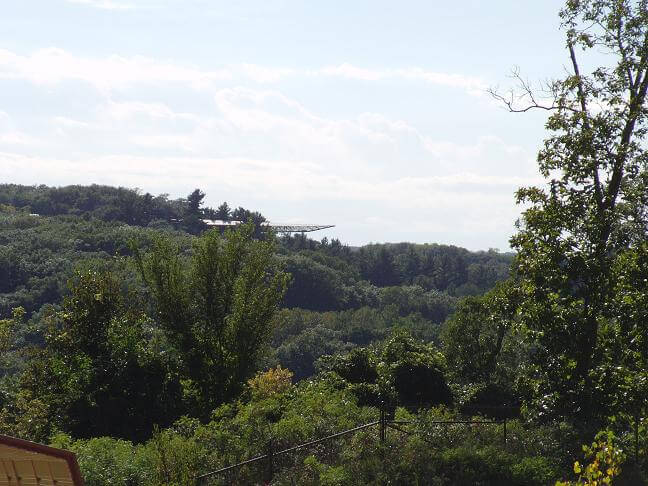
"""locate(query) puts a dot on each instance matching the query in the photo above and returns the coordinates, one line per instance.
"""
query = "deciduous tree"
(216, 309)
(595, 205)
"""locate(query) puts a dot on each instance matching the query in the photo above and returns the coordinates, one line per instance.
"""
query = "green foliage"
(441, 455)
(193, 215)
(486, 351)
(216, 309)
(287, 414)
(177, 457)
(77, 223)
(24, 414)
(431, 304)
(290, 415)
(317, 473)
(37, 261)
(301, 337)
(105, 460)
(101, 372)
(400, 371)
(314, 286)
(535, 470)
(593, 211)
(420, 278)
(169, 458)
(566, 333)
(223, 212)
(100, 202)
(605, 462)
(8, 328)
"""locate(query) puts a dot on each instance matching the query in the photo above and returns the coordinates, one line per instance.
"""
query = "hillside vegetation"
(160, 352)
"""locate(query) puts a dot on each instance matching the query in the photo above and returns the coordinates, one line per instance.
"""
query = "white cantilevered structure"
(278, 227)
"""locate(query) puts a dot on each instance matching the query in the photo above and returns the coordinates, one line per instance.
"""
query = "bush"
(533, 471)
(111, 461)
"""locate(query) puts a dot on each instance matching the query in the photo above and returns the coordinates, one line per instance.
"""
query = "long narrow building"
(277, 227)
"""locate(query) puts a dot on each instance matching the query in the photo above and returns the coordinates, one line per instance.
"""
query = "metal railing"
(384, 423)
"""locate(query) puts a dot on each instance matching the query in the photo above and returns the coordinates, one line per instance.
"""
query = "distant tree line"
(95, 223)
(330, 276)
(128, 206)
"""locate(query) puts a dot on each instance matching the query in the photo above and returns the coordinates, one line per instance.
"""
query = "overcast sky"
(370, 115)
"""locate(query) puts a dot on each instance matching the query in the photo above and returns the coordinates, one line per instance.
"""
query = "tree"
(223, 212)
(477, 336)
(101, 371)
(194, 201)
(313, 286)
(485, 351)
(377, 266)
(398, 371)
(216, 309)
(193, 215)
(595, 207)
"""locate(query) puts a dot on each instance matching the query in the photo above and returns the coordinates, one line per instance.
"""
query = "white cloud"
(53, 65)
(262, 142)
(351, 72)
(17, 138)
(267, 125)
(126, 110)
(264, 74)
(5, 120)
(11, 136)
(473, 85)
(103, 4)
(277, 179)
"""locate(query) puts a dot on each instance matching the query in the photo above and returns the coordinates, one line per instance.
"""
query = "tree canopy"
(593, 211)
(216, 309)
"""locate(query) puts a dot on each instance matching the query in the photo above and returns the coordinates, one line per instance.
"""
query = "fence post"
(270, 471)
(383, 422)
(636, 436)
(383, 434)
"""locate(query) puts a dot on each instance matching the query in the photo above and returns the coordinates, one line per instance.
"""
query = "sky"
(373, 115)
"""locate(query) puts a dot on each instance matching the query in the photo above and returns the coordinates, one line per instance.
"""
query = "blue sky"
(371, 115)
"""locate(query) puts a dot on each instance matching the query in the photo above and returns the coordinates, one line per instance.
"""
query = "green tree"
(216, 309)
(101, 371)
(195, 201)
(594, 207)
(223, 212)
(486, 351)
(477, 338)
(313, 286)
(399, 371)
(193, 215)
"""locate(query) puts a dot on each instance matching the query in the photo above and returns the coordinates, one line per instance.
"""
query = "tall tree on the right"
(592, 212)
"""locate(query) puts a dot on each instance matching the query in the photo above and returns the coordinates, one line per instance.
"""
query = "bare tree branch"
(526, 97)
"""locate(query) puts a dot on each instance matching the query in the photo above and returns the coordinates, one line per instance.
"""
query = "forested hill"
(338, 297)
(163, 353)
(45, 232)
(108, 203)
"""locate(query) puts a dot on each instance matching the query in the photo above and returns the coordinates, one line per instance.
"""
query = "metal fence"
(383, 424)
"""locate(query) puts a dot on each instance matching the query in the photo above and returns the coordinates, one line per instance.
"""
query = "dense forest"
(122, 319)
(338, 297)
(161, 351)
